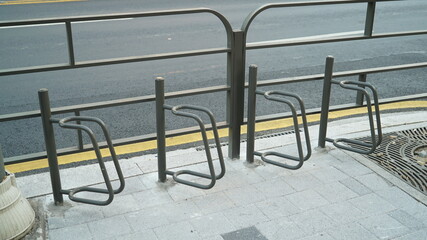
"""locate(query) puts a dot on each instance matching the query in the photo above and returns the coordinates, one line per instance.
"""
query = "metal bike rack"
(252, 92)
(161, 140)
(53, 160)
(359, 146)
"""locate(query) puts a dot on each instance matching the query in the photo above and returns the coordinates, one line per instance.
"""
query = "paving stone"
(179, 230)
(212, 224)
(109, 227)
(356, 186)
(250, 233)
(147, 218)
(146, 234)
(245, 216)
(307, 199)
(280, 229)
(214, 202)
(399, 198)
(274, 188)
(384, 226)
(71, 233)
(329, 174)
(277, 207)
(180, 191)
(352, 168)
(82, 213)
(152, 197)
(244, 195)
(407, 219)
(343, 212)
(372, 204)
(335, 192)
(180, 211)
(352, 231)
(120, 205)
(373, 181)
(321, 236)
(302, 181)
(313, 221)
(420, 234)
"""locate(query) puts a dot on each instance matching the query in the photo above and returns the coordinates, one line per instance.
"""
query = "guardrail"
(234, 86)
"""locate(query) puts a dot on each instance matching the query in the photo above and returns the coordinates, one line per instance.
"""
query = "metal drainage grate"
(404, 154)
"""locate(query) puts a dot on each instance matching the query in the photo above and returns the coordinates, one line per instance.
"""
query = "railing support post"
(326, 95)
(2, 170)
(50, 146)
(251, 113)
(236, 95)
(160, 126)
(359, 96)
(369, 22)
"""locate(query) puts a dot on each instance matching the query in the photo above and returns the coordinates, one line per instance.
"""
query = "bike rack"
(360, 87)
(53, 160)
(252, 92)
(161, 140)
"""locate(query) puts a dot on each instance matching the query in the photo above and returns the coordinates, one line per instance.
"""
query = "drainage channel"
(404, 154)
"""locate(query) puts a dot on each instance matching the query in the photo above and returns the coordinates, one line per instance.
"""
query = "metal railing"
(235, 85)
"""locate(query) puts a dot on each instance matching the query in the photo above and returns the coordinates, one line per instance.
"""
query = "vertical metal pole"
(70, 43)
(160, 125)
(326, 95)
(237, 93)
(251, 113)
(2, 170)
(369, 22)
(359, 96)
(49, 138)
(79, 132)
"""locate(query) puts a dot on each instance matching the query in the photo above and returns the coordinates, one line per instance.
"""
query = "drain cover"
(404, 154)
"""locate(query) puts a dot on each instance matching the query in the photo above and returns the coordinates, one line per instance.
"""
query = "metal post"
(326, 95)
(250, 148)
(237, 93)
(49, 138)
(369, 22)
(359, 96)
(160, 125)
(2, 170)
(70, 43)
(79, 132)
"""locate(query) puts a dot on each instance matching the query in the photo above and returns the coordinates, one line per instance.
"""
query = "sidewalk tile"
(351, 231)
(343, 212)
(384, 226)
(179, 230)
(274, 188)
(244, 195)
(180, 191)
(213, 202)
(320, 236)
(352, 168)
(180, 211)
(146, 234)
(372, 204)
(373, 181)
(109, 227)
(313, 221)
(71, 233)
(146, 218)
(335, 192)
(421, 234)
(250, 233)
(213, 224)
(356, 186)
(245, 216)
(329, 174)
(302, 181)
(152, 197)
(307, 199)
(280, 229)
(407, 219)
(277, 207)
(120, 205)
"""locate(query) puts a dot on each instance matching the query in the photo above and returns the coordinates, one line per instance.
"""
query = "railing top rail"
(224, 20)
(253, 14)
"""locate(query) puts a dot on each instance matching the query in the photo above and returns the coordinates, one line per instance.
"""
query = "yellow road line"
(18, 2)
(195, 137)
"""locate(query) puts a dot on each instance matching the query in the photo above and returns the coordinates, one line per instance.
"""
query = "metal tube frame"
(2, 170)
(161, 141)
(251, 124)
(53, 161)
(360, 88)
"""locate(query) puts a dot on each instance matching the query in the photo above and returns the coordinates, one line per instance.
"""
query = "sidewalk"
(333, 196)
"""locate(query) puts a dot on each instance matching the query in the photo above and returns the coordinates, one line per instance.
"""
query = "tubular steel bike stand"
(359, 146)
(161, 141)
(252, 92)
(53, 161)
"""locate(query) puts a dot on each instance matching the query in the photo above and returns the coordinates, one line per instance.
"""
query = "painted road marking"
(18, 2)
(196, 137)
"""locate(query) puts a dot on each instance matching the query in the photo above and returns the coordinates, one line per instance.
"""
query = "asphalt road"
(29, 46)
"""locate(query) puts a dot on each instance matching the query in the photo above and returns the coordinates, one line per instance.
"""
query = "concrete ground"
(335, 195)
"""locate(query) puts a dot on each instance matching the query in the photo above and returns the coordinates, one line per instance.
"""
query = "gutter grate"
(404, 154)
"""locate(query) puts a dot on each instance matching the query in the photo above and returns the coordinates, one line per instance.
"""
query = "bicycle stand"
(161, 140)
(269, 95)
(359, 146)
(49, 136)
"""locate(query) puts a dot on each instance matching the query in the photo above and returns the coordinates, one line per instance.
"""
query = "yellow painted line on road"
(195, 137)
(18, 2)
